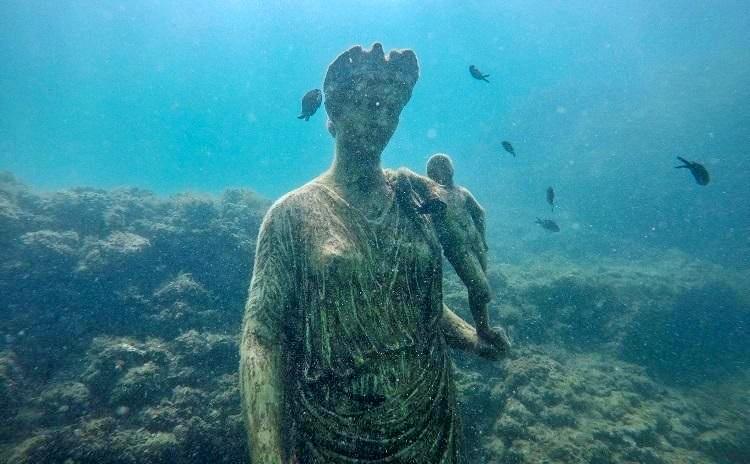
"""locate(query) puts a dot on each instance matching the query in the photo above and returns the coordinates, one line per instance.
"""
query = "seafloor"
(120, 314)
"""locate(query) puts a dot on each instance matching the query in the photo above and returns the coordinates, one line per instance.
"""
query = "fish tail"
(687, 163)
(307, 118)
(485, 76)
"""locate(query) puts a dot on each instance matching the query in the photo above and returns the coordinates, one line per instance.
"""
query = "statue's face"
(368, 119)
(440, 169)
(365, 93)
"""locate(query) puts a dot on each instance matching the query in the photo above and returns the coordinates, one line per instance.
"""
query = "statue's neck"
(354, 167)
(358, 177)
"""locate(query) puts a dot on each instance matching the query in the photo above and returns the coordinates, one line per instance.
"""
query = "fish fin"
(301, 116)
(307, 118)
(678, 167)
(687, 163)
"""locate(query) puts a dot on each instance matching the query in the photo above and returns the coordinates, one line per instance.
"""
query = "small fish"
(551, 197)
(509, 148)
(310, 104)
(477, 74)
(699, 172)
(548, 225)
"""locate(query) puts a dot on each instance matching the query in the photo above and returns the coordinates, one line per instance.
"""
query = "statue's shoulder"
(400, 173)
(295, 204)
(403, 175)
(464, 192)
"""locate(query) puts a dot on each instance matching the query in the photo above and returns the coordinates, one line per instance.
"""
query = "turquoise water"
(649, 273)
(598, 98)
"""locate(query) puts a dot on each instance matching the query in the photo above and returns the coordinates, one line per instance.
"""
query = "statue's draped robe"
(356, 303)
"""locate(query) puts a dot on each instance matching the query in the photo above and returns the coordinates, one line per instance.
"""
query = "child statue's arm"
(476, 212)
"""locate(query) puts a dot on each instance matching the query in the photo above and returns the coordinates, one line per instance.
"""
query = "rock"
(133, 357)
(111, 360)
(643, 456)
(118, 253)
(47, 249)
(559, 416)
(725, 444)
(183, 288)
(64, 402)
(13, 388)
(137, 384)
(701, 336)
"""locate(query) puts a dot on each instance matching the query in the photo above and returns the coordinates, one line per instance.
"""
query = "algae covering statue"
(344, 352)
(460, 226)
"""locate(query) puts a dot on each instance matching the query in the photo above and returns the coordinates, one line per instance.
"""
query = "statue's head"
(440, 169)
(365, 92)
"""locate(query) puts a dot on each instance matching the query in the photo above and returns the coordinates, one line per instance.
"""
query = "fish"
(551, 197)
(477, 74)
(548, 225)
(509, 148)
(699, 172)
(310, 104)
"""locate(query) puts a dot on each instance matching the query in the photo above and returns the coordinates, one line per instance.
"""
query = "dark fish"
(509, 148)
(477, 74)
(310, 104)
(548, 224)
(551, 197)
(697, 170)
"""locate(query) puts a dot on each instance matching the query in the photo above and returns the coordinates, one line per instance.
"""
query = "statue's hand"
(493, 343)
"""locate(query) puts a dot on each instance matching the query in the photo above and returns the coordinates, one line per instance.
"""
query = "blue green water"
(637, 311)
(597, 97)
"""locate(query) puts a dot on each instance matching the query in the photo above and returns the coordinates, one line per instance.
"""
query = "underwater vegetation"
(121, 311)
(704, 335)
(120, 314)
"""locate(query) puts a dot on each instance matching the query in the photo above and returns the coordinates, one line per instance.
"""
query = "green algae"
(131, 368)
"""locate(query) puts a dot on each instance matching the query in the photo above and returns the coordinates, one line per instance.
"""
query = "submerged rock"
(703, 335)
(119, 252)
(121, 312)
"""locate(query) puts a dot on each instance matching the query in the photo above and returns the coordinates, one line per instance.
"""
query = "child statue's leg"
(471, 272)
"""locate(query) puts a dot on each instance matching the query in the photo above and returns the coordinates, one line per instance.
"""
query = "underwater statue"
(344, 350)
(460, 227)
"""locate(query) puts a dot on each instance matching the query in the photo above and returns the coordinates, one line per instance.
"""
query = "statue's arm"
(458, 333)
(476, 212)
(261, 355)
(261, 389)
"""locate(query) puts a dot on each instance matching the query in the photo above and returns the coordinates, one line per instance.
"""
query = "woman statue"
(344, 352)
